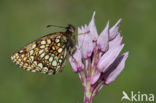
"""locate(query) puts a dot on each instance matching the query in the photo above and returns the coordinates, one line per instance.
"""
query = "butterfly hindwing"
(46, 54)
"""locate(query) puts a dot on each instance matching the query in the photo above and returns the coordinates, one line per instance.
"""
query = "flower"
(97, 59)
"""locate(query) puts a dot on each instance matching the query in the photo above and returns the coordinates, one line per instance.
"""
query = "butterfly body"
(47, 54)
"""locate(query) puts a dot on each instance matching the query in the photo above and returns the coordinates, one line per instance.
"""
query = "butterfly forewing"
(47, 54)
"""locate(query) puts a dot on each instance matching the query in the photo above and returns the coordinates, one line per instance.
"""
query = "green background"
(22, 21)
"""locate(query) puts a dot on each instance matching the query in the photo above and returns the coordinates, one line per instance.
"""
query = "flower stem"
(88, 93)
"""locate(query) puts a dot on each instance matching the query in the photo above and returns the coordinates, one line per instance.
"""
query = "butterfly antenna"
(55, 26)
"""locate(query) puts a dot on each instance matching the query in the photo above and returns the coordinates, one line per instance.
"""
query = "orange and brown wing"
(46, 55)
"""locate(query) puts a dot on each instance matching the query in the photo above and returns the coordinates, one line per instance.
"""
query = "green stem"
(88, 93)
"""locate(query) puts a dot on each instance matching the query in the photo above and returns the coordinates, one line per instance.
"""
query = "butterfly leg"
(71, 52)
(77, 64)
(84, 33)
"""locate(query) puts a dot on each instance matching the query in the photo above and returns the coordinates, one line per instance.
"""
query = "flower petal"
(116, 41)
(78, 57)
(108, 58)
(95, 78)
(92, 28)
(102, 42)
(86, 44)
(115, 69)
(82, 29)
(114, 30)
(87, 47)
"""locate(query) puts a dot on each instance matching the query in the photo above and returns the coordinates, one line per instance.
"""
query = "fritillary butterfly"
(47, 54)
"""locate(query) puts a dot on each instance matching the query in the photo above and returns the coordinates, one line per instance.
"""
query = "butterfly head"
(70, 28)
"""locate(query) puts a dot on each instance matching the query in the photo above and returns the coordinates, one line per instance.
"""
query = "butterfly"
(47, 54)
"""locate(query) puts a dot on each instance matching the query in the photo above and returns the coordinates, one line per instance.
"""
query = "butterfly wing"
(46, 55)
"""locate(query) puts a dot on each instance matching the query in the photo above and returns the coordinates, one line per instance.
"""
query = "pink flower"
(100, 55)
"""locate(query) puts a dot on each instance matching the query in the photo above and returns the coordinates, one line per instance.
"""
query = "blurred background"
(22, 21)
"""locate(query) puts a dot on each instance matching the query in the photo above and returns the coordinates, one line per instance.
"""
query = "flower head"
(100, 56)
